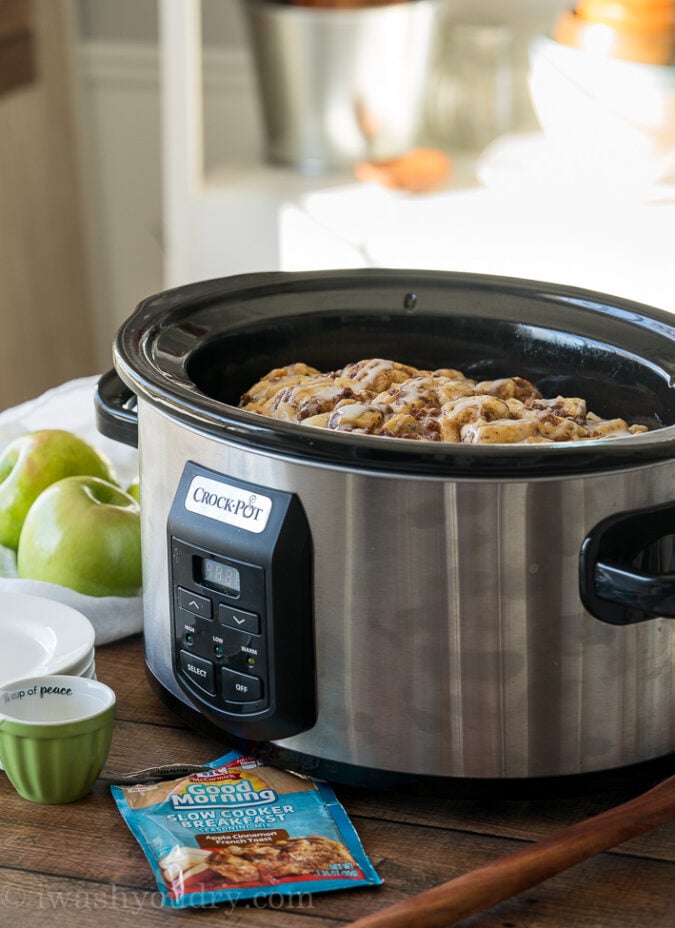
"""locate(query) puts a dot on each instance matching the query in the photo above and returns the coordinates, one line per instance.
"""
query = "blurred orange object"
(633, 15)
(632, 30)
(418, 171)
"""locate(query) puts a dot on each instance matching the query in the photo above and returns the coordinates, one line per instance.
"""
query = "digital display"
(221, 576)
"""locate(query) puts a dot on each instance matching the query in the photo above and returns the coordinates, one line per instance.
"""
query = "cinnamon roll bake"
(380, 397)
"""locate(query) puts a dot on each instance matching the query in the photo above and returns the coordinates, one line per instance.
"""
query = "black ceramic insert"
(196, 349)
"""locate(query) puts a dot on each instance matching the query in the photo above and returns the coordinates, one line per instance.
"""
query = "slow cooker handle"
(116, 412)
(611, 586)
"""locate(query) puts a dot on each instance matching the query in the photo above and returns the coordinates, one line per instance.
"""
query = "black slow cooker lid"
(194, 350)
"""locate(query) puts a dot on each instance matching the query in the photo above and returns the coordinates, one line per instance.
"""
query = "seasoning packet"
(241, 829)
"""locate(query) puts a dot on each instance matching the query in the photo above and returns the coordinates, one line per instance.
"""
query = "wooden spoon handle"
(512, 874)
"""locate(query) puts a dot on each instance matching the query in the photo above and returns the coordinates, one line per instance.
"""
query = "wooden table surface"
(79, 865)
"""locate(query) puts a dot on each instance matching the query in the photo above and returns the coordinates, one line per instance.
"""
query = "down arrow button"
(237, 618)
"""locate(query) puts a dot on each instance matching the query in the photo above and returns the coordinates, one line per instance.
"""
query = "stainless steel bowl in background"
(338, 86)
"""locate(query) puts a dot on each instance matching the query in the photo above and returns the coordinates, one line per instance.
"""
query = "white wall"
(120, 121)
(120, 127)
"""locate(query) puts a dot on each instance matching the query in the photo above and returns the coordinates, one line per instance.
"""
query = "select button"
(199, 671)
(240, 687)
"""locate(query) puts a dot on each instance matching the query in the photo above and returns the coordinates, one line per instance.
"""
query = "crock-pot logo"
(246, 509)
(228, 504)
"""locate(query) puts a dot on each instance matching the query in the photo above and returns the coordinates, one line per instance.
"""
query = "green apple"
(83, 533)
(134, 489)
(32, 462)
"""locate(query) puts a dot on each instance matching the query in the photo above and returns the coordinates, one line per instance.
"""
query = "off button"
(240, 687)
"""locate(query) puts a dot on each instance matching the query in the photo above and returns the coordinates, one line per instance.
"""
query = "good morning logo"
(222, 794)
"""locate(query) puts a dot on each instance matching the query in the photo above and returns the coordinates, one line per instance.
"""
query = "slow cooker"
(368, 608)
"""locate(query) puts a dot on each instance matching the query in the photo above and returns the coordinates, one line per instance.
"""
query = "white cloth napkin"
(71, 407)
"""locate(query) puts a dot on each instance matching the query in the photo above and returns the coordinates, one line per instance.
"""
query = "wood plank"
(136, 746)
(33, 900)
(121, 664)
(58, 862)
(410, 858)
(608, 890)
(524, 820)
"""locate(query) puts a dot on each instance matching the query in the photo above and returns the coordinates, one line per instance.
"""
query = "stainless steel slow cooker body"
(452, 635)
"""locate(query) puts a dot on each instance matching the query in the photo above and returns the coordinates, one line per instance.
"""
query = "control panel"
(241, 600)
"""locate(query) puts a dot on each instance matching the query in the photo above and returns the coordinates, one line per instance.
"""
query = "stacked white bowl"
(41, 636)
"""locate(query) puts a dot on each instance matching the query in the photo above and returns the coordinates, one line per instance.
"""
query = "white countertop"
(522, 225)
(520, 220)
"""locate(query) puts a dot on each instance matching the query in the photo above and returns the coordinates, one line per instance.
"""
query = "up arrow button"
(194, 603)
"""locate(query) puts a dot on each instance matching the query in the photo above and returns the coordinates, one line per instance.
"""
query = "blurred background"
(136, 154)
